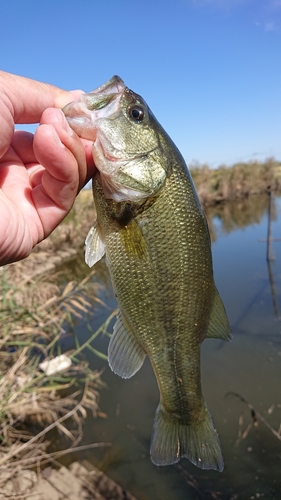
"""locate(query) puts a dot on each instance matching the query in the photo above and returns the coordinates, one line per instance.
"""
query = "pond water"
(249, 366)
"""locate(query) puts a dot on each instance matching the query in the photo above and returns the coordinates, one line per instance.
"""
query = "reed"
(236, 182)
(34, 314)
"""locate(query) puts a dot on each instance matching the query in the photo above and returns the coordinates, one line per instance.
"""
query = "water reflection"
(273, 288)
(239, 214)
(249, 366)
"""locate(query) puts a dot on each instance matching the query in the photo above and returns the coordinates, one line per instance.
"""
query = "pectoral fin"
(94, 246)
(219, 327)
(125, 354)
(133, 240)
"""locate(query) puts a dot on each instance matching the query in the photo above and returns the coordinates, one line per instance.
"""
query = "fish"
(153, 231)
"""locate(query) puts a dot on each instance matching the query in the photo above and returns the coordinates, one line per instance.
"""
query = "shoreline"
(239, 181)
(81, 480)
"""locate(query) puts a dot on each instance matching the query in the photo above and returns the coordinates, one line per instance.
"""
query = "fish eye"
(137, 113)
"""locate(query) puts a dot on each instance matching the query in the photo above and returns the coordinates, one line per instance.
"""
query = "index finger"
(28, 98)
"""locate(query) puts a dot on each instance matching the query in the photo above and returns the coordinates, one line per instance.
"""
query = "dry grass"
(238, 181)
(34, 313)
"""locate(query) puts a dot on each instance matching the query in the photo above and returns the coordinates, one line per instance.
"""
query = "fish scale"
(153, 231)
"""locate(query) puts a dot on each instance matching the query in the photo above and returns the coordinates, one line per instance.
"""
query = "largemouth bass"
(154, 233)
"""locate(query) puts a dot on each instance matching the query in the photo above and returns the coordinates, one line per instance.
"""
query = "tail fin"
(198, 442)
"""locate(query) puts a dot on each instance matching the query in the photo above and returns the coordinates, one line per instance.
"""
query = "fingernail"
(66, 126)
(56, 137)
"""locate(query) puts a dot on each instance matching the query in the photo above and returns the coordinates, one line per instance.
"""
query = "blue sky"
(210, 70)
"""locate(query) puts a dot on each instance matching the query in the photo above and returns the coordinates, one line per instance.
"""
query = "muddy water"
(249, 366)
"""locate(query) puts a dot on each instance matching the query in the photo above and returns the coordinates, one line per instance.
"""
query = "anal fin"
(125, 354)
(219, 327)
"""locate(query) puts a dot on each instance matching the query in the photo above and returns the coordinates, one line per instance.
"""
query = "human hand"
(40, 174)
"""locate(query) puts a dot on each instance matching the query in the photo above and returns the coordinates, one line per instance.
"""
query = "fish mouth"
(86, 117)
(103, 102)
(107, 88)
(84, 114)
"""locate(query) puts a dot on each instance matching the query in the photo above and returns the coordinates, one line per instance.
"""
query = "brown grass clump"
(236, 182)
(34, 313)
